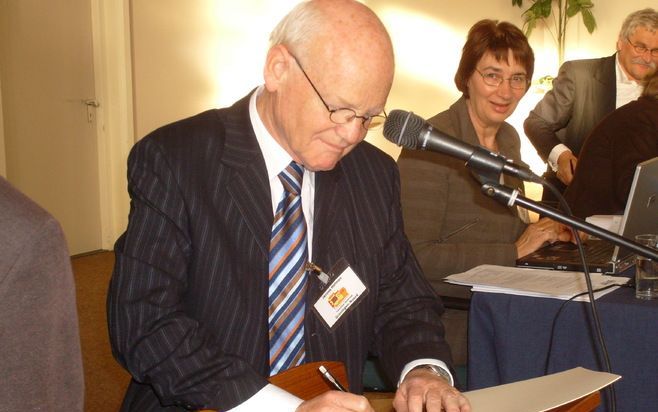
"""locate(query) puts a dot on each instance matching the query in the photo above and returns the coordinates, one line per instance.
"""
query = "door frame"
(115, 122)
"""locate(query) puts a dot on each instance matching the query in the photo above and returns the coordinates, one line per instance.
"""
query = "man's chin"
(642, 71)
(325, 163)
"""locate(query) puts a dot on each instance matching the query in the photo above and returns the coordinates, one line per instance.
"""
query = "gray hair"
(647, 18)
(298, 27)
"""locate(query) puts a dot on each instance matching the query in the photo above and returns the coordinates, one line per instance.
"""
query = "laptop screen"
(641, 213)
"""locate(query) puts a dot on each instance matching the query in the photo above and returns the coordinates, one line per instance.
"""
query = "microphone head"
(403, 128)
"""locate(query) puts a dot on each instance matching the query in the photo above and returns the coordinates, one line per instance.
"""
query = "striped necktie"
(287, 276)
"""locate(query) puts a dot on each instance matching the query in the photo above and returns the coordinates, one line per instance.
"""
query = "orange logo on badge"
(337, 297)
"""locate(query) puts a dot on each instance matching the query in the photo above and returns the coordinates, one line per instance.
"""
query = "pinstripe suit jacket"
(187, 305)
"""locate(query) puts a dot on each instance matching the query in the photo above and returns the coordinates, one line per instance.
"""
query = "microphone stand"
(487, 170)
(488, 174)
(512, 197)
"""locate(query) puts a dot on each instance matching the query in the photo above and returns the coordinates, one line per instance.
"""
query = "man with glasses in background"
(585, 91)
(268, 234)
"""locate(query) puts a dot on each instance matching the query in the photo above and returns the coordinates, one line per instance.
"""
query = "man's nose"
(352, 131)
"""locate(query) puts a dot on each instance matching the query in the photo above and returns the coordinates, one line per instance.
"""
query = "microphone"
(411, 131)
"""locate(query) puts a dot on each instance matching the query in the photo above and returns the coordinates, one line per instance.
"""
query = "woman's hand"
(536, 234)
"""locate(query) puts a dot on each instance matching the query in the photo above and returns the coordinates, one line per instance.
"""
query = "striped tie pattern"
(287, 276)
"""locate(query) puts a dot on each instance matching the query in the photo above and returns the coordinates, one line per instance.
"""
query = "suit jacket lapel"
(328, 205)
(606, 74)
(248, 185)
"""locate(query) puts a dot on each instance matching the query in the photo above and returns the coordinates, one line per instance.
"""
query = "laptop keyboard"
(598, 251)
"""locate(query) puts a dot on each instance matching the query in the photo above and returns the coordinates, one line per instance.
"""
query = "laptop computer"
(602, 256)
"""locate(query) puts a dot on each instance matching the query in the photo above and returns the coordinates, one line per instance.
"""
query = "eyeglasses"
(641, 49)
(345, 115)
(517, 81)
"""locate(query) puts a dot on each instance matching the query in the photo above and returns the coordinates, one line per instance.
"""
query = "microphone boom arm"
(512, 197)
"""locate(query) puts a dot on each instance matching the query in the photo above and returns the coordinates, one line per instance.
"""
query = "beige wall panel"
(190, 56)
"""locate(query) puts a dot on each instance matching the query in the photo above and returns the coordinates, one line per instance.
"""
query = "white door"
(46, 63)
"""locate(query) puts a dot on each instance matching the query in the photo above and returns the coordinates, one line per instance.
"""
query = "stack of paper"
(541, 283)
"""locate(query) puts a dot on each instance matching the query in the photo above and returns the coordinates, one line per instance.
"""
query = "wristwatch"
(437, 370)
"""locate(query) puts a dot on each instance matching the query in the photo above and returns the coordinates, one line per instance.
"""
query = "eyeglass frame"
(332, 112)
(502, 79)
(652, 52)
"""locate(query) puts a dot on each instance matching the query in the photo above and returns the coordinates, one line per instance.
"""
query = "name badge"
(339, 297)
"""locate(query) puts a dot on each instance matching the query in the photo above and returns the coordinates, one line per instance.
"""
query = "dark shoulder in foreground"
(208, 126)
(200, 126)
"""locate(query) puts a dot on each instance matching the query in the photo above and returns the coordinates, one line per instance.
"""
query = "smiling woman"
(438, 195)
(451, 224)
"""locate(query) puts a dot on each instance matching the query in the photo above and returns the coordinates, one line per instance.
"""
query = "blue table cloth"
(509, 341)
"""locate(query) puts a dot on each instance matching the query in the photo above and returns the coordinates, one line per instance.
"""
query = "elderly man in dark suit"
(585, 91)
(218, 214)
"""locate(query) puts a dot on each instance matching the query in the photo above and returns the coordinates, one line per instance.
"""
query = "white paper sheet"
(532, 395)
(544, 283)
(607, 222)
(540, 394)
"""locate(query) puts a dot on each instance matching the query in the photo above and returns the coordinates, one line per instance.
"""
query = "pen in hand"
(573, 170)
(329, 377)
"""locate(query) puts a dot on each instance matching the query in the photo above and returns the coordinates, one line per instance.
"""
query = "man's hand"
(566, 167)
(424, 388)
(336, 401)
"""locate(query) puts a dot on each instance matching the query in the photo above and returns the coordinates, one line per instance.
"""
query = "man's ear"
(277, 64)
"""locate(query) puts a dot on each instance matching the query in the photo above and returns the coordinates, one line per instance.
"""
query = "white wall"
(190, 56)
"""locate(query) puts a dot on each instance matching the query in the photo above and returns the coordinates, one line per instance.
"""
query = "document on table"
(541, 283)
(540, 394)
(533, 395)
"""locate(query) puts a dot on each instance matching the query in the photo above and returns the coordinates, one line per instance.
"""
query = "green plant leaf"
(541, 8)
(586, 4)
(588, 20)
(573, 9)
(529, 26)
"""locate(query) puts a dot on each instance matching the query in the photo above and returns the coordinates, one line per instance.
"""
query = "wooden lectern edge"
(306, 381)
